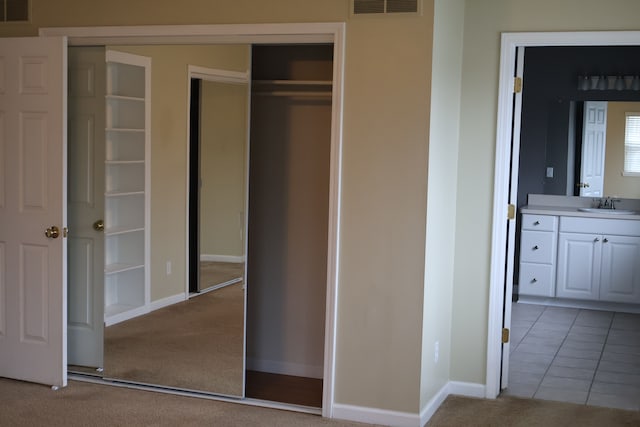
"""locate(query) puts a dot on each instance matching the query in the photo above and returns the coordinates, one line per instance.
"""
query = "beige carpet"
(82, 404)
(196, 344)
(214, 273)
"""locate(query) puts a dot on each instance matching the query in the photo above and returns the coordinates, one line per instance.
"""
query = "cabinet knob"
(534, 280)
(536, 223)
(596, 240)
(535, 248)
(605, 240)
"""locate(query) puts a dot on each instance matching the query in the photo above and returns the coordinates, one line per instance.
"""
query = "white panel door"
(593, 148)
(33, 76)
(86, 206)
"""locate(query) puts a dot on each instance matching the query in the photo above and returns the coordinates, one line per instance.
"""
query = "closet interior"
(288, 222)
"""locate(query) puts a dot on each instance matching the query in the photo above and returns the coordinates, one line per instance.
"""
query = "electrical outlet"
(168, 268)
(436, 352)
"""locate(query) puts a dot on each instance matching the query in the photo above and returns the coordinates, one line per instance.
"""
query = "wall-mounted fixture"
(615, 82)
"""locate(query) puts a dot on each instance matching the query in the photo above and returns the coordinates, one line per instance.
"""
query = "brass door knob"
(98, 225)
(52, 232)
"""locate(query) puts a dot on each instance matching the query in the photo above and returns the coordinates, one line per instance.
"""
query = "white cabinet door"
(33, 198)
(578, 266)
(620, 279)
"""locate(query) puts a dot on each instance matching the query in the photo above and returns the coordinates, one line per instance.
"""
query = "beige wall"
(442, 183)
(386, 134)
(484, 21)
(387, 89)
(615, 184)
(223, 141)
(169, 116)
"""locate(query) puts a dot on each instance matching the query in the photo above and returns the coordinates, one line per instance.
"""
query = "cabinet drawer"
(538, 246)
(539, 222)
(536, 279)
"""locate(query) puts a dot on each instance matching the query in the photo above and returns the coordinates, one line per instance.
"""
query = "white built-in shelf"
(112, 129)
(124, 162)
(121, 268)
(123, 193)
(127, 286)
(124, 98)
(115, 231)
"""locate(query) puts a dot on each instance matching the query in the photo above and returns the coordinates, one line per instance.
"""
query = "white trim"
(285, 368)
(331, 32)
(382, 417)
(215, 288)
(467, 389)
(126, 315)
(432, 405)
(510, 41)
(218, 75)
(376, 416)
(223, 258)
(198, 34)
(165, 302)
(335, 209)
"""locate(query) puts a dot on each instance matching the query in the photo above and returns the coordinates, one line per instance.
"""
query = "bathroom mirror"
(551, 117)
(175, 338)
(564, 150)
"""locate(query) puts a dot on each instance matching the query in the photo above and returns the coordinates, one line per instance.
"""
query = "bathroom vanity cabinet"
(581, 258)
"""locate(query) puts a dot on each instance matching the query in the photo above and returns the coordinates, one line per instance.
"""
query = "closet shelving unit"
(127, 195)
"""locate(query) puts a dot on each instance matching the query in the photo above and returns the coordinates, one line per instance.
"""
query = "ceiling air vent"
(384, 6)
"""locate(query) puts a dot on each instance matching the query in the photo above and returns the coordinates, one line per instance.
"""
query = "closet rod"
(294, 82)
(323, 94)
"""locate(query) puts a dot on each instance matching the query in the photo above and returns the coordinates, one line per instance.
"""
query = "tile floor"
(575, 355)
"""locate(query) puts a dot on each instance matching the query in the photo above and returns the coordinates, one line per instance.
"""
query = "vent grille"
(14, 10)
(384, 6)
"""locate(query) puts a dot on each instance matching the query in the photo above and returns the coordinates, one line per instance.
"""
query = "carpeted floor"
(85, 404)
(196, 344)
(213, 273)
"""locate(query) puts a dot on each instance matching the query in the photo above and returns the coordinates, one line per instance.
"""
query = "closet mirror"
(128, 321)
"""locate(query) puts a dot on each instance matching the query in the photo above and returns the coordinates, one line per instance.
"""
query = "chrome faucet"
(607, 203)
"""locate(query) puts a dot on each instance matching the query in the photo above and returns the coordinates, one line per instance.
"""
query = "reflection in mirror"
(552, 115)
(590, 161)
(199, 344)
(170, 339)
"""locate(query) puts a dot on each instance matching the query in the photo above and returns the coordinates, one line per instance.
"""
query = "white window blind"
(632, 144)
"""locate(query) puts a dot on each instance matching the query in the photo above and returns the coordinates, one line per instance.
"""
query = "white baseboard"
(467, 389)
(407, 419)
(432, 405)
(375, 416)
(165, 302)
(285, 368)
(222, 258)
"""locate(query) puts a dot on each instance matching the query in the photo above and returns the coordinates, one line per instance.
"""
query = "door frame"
(215, 75)
(299, 33)
(500, 256)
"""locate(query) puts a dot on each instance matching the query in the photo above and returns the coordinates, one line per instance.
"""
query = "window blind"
(632, 144)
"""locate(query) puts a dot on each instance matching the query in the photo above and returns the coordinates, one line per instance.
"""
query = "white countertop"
(573, 211)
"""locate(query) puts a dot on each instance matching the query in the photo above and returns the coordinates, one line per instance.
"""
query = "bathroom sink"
(608, 211)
